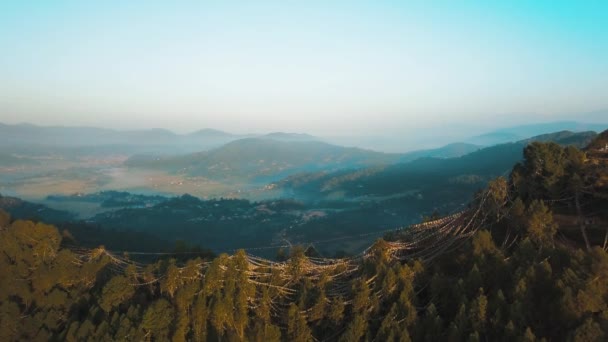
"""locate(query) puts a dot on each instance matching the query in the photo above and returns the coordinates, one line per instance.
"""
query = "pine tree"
(336, 310)
(355, 331)
(199, 319)
(297, 329)
(541, 227)
(478, 312)
(115, 292)
(589, 331)
(158, 318)
(244, 291)
(264, 332)
(528, 336)
(172, 280)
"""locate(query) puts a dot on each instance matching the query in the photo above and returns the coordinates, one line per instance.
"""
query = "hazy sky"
(324, 67)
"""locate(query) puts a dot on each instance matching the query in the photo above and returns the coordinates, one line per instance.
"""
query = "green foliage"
(540, 226)
(115, 292)
(355, 330)
(589, 331)
(297, 329)
(498, 193)
(543, 168)
(336, 311)
(158, 318)
(186, 306)
(478, 311)
(483, 243)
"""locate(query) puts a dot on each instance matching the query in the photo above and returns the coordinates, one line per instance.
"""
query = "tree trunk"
(580, 219)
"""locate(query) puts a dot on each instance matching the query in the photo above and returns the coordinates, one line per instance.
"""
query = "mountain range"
(164, 141)
(426, 176)
(264, 159)
(516, 133)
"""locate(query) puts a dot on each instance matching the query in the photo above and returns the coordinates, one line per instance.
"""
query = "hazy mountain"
(264, 159)
(438, 178)
(31, 139)
(31, 134)
(39, 140)
(87, 136)
(512, 134)
(282, 136)
(494, 138)
(20, 209)
(580, 139)
(211, 133)
(447, 151)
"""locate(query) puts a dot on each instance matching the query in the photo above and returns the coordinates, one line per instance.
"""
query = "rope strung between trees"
(281, 280)
(423, 241)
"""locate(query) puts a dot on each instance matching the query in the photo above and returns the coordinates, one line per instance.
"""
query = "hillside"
(263, 159)
(82, 136)
(284, 136)
(599, 143)
(474, 275)
(20, 209)
(40, 140)
(442, 179)
(211, 133)
(220, 225)
(513, 134)
(453, 150)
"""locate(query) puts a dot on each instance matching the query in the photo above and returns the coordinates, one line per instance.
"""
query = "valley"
(260, 194)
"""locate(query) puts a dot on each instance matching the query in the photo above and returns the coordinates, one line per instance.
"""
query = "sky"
(321, 67)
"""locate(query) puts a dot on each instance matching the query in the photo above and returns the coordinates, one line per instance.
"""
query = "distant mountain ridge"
(210, 132)
(265, 158)
(84, 136)
(426, 176)
(15, 138)
(32, 139)
(448, 151)
(522, 132)
(284, 136)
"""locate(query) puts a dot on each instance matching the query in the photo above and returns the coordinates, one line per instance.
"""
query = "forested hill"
(265, 158)
(430, 177)
(525, 262)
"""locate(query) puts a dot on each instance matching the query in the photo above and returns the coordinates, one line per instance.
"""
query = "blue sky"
(323, 67)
